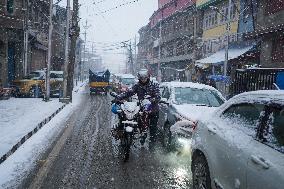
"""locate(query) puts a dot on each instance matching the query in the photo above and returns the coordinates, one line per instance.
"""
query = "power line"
(112, 29)
(118, 6)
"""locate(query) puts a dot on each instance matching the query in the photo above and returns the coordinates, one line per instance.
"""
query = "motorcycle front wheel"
(126, 143)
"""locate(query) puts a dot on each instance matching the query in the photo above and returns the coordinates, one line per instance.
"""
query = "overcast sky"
(115, 25)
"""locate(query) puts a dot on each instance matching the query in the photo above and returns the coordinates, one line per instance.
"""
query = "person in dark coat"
(143, 88)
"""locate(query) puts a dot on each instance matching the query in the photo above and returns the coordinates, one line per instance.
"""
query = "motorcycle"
(133, 122)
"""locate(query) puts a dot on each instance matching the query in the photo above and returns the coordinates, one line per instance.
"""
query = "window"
(245, 115)
(233, 12)
(10, 6)
(273, 132)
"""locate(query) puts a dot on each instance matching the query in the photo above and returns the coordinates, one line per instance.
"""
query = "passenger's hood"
(193, 112)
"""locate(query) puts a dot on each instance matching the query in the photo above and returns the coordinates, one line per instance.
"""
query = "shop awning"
(219, 57)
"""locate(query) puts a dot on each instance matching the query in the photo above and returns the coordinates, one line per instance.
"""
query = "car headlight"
(183, 145)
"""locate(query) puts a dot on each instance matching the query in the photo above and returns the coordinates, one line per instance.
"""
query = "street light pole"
(47, 82)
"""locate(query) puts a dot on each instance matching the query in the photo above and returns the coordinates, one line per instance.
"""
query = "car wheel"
(167, 137)
(200, 173)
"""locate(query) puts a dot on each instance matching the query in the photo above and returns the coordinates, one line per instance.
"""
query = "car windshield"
(202, 97)
(128, 81)
(56, 75)
(33, 75)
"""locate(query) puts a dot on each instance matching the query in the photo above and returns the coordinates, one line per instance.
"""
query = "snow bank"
(18, 116)
(14, 169)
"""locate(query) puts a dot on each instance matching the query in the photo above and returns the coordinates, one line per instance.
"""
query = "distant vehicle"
(186, 101)
(122, 82)
(241, 145)
(126, 81)
(115, 82)
(99, 81)
(33, 85)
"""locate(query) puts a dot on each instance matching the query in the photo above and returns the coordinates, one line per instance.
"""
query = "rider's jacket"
(151, 88)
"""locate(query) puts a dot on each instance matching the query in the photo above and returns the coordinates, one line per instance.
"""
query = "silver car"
(242, 145)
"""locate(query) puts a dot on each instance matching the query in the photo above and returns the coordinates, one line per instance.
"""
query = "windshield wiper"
(203, 105)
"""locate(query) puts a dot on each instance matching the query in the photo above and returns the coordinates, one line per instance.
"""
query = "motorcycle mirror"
(164, 101)
(113, 94)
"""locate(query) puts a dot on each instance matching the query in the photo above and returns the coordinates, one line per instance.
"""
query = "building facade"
(168, 39)
(11, 40)
(268, 22)
(23, 38)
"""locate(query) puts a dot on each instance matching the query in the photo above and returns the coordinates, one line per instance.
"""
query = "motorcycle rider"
(146, 87)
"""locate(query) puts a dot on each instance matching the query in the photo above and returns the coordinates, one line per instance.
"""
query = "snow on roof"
(220, 55)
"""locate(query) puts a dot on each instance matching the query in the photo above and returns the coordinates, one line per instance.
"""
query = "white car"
(242, 144)
(185, 103)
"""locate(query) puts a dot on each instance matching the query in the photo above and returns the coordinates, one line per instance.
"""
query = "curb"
(31, 133)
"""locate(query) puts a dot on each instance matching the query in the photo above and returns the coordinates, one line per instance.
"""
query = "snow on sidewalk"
(18, 165)
(18, 116)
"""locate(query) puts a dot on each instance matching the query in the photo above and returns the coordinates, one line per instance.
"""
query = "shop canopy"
(219, 57)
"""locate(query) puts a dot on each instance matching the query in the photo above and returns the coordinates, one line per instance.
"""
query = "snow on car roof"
(189, 84)
(57, 72)
(264, 95)
(127, 76)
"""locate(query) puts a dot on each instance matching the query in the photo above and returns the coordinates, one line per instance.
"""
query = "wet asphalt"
(87, 156)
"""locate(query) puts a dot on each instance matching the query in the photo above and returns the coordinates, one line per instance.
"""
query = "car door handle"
(212, 130)
(260, 161)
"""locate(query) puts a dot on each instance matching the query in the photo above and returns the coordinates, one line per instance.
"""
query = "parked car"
(185, 102)
(33, 85)
(242, 144)
(56, 83)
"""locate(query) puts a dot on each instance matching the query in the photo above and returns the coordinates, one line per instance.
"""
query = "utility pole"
(86, 27)
(47, 82)
(75, 30)
(194, 41)
(135, 55)
(228, 28)
(65, 75)
(131, 58)
(159, 62)
(26, 38)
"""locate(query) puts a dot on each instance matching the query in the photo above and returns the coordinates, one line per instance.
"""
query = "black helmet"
(143, 76)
